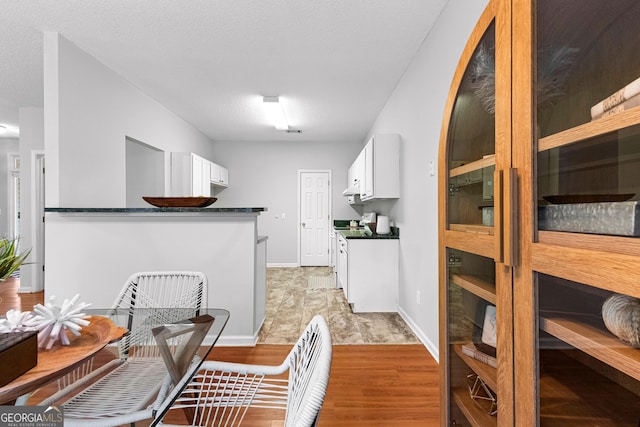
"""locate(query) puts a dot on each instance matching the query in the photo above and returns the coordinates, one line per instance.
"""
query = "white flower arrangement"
(16, 321)
(49, 320)
(52, 321)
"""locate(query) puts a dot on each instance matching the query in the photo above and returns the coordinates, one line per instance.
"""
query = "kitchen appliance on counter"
(368, 218)
(382, 225)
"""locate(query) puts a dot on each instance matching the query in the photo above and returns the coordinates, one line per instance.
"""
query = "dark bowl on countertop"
(180, 202)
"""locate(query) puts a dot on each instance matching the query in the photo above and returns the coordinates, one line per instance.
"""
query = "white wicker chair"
(220, 393)
(166, 289)
(140, 361)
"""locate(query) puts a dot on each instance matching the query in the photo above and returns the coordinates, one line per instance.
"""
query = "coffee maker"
(368, 218)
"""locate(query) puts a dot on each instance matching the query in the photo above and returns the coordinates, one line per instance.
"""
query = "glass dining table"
(154, 353)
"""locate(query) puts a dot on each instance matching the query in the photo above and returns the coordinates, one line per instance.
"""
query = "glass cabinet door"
(586, 253)
(471, 144)
(472, 335)
(471, 343)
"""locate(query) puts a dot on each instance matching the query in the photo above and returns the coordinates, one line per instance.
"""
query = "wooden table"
(61, 359)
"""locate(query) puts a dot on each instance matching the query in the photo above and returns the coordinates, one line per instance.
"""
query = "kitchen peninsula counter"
(181, 211)
(92, 252)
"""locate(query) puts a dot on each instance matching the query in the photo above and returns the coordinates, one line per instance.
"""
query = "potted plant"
(10, 258)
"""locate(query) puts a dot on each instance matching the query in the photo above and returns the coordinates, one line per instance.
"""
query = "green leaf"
(10, 259)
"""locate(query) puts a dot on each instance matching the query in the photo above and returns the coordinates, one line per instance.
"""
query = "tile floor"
(291, 304)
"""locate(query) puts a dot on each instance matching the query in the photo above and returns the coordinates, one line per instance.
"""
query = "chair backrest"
(166, 289)
(181, 291)
(309, 367)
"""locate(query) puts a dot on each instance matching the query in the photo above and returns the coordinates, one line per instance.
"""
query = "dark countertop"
(156, 210)
(343, 225)
(395, 234)
(339, 223)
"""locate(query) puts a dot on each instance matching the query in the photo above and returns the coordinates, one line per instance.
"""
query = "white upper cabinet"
(380, 170)
(193, 175)
(219, 175)
(355, 174)
(199, 170)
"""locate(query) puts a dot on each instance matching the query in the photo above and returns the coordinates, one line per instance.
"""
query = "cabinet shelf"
(587, 333)
(475, 416)
(486, 161)
(615, 272)
(472, 228)
(480, 244)
(488, 373)
(477, 286)
(597, 242)
(591, 129)
(573, 395)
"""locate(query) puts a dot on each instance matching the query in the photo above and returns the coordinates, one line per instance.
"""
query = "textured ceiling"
(334, 63)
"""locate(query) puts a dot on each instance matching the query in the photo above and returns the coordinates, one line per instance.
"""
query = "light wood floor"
(370, 385)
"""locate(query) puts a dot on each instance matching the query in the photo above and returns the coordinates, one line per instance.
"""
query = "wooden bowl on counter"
(180, 202)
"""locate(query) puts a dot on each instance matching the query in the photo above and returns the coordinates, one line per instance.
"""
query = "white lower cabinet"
(370, 275)
(342, 264)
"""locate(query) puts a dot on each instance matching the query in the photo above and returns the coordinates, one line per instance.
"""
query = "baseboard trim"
(235, 341)
(283, 264)
(433, 349)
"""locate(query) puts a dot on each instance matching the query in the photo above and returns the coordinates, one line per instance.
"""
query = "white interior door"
(314, 201)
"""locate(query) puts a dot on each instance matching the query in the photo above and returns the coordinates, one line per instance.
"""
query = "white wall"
(414, 110)
(90, 112)
(106, 249)
(265, 174)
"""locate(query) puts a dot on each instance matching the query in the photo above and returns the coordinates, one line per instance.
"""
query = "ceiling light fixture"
(275, 112)
(3, 129)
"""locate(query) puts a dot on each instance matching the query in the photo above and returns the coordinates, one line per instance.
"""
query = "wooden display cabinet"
(475, 264)
(557, 361)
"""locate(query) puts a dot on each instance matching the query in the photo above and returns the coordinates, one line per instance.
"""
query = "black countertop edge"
(374, 237)
(155, 210)
(395, 234)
